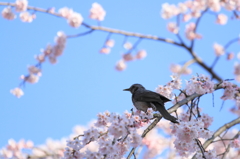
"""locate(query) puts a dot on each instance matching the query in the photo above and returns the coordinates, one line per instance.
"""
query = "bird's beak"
(126, 89)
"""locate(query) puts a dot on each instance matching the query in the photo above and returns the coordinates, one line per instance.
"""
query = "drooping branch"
(126, 33)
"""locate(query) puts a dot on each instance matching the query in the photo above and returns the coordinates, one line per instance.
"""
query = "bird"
(143, 99)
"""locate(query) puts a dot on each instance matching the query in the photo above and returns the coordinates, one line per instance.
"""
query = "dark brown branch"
(201, 63)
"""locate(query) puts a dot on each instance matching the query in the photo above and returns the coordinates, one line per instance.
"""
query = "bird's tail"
(165, 113)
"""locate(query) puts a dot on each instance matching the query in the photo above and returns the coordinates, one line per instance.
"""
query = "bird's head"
(134, 87)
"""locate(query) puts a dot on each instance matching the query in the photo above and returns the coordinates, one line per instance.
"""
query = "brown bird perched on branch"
(143, 99)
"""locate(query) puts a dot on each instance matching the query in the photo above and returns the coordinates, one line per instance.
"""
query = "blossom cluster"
(199, 84)
(167, 90)
(107, 46)
(194, 9)
(190, 32)
(231, 92)
(20, 6)
(186, 134)
(26, 149)
(218, 49)
(112, 134)
(51, 52)
(97, 12)
(127, 57)
(14, 149)
(74, 19)
(178, 69)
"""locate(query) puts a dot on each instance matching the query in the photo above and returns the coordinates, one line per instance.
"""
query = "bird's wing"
(149, 96)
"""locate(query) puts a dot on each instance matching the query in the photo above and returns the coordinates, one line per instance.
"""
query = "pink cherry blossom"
(128, 57)
(218, 49)
(109, 43)
(214, 5)
(237, 71)
(187, 17)
(27, 17)
(75, 20)
(169, 11)
(61, 38)
(207, 120)
(165, 91)
(34, 70)
(229, 90)
(21, 5)
(235, 143)
(230, 56)
(40, 58)
(186, 133)
(222, 19)
(121, 65)
(105, 50)
(17, 92)
(200, 85)
(31, 78)
(190, 32)
(97, 12)
(65, 12)
(52, 59)
(127, 45)
(172, 27)
(8, 14)
(178, 69)
(141, 54)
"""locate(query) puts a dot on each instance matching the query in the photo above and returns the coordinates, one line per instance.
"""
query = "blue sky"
(84, 82)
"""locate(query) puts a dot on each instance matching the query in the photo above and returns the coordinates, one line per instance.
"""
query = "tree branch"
(218, 132)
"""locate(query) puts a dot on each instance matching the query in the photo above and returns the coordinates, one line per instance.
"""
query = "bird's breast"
(142, 106)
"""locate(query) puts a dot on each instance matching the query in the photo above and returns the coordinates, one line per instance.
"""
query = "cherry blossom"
(17, 92)
(65, 12)
(121, 65)
(230, 56)
(21, 5)
(200, 85)
(237, 71)
(97, 12)
(141, 54)
(229, 90)
(75, 20)
(110, 43)
(128, 57)
(105, 50)
(235, 143)
(178, 69)
(186, 133)
(190, 32)
(222, 19)
(112, 141)
(31, 78)
(8, 14)
(34, 70)
(127, 45)
(172, 27)
(169, 11)
(218, 49)
(27, 17)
